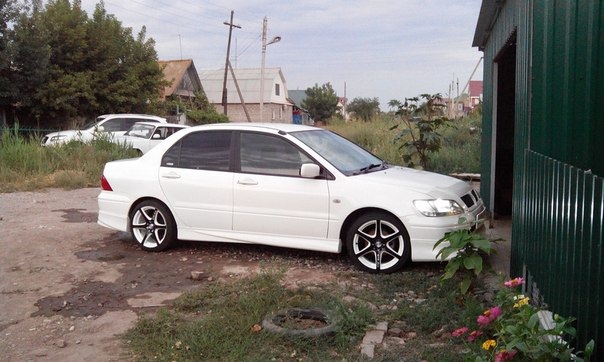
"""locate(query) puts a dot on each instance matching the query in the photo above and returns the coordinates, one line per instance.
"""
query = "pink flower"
(488, 316)
(505, 355)
(459, 332)
(483, 320)
(474, 335)
(514, 282)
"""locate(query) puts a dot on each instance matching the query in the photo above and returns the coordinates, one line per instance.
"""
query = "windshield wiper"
(372, 166)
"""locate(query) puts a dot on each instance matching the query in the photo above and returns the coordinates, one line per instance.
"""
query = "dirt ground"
(69, 287)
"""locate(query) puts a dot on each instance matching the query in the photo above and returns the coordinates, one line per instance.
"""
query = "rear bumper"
(113, 211)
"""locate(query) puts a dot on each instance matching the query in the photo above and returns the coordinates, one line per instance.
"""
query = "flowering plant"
(513, 331)
(464, 254)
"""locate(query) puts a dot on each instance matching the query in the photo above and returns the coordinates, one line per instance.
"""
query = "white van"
(113, 124)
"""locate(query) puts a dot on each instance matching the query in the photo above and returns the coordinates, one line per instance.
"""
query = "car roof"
(283, 127)
(129, 115)
(155, 124)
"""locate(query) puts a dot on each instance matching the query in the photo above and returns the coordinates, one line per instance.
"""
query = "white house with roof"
(276, 105)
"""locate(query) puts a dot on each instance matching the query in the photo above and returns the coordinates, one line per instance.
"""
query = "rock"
(61, 343)
(394, 332)
(196, 275)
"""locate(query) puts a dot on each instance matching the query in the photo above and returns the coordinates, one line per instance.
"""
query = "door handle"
(170, 175)
(247, 181)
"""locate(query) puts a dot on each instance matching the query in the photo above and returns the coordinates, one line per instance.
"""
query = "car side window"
(113, 125)
(208, 150)
(129, 122)
(267, 154)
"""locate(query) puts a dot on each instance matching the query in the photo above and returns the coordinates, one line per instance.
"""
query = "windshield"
(140, 130)
(346, 156)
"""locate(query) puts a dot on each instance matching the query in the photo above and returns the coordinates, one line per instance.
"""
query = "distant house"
(276, 105)
(299, 114)
(475, 94)
(183, 78)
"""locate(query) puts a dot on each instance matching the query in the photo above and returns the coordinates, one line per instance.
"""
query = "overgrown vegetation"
(25, 165)
(459, 145)
(66, 67)
(219, 321)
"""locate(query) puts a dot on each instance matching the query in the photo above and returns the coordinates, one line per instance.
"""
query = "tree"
(69, 68)
(9, 10)
(394, 104)
(364, 108)
(31, 59)
(420, 123)
(321, 102)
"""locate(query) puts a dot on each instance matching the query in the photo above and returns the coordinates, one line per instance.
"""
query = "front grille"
(468, 200)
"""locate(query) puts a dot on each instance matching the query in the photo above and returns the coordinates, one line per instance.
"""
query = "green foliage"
(204, 323)
(9, 11)
(321, 102)
(419, 125)
(25, 165)
(66, 66)
(468, 249)
(199, 110)
(513, 330)
(364, 108)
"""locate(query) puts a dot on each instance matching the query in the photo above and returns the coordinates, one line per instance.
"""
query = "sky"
(368, 49)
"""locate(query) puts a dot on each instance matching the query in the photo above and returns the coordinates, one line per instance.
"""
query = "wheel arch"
(148, 198)
(357, 213)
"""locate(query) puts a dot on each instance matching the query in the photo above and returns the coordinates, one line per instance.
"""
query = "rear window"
(201, 151)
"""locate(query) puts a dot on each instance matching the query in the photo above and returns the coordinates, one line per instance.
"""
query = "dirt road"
(69, 287)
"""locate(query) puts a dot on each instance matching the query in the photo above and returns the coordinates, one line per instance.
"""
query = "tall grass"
(26, 165)
(460, 151)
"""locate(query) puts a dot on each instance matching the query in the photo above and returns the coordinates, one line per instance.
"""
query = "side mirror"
(100, 129)
(310, 170)
(156, 136)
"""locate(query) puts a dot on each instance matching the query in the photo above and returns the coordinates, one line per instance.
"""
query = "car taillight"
(105, 184)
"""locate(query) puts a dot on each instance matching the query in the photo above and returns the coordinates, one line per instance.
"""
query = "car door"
(196, 178)
(270, 197)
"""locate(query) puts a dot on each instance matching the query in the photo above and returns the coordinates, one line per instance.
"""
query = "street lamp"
(264, 44)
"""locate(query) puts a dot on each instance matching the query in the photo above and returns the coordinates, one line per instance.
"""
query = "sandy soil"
(69, 287)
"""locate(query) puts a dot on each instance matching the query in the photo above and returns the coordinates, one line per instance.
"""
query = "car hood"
(430, 183)
(64, 133)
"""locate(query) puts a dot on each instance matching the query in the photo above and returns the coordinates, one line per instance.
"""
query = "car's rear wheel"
(152, 226)
(378, 242)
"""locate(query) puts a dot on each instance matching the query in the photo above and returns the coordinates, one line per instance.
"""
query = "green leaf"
(464, 285)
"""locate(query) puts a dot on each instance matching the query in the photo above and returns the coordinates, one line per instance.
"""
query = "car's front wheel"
(152, 226)
(377, 242)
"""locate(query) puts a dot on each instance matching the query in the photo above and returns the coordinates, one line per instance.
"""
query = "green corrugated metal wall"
(558, 202)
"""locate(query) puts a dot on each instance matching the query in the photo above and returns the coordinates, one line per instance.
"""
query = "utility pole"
(226, 63)
(264, 44)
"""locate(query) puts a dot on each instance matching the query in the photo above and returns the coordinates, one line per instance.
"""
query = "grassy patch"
(26, 165)
(216, 322)
(460, 151)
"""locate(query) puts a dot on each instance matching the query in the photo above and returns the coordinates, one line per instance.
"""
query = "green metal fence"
(559, 244)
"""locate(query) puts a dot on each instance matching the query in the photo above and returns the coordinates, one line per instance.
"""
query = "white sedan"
(284, 185)
(143, 136)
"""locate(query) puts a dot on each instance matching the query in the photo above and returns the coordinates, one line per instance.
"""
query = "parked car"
(143, 136)
(284, 185)
(110, 124)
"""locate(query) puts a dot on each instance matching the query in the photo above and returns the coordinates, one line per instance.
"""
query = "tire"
(378, 242)
(273, 323)
(152, 226)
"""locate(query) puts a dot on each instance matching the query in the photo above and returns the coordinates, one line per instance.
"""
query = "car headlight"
(57, 138)
(438, 207)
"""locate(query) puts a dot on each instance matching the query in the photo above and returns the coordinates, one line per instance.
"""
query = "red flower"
(459, 332)
(505, 355)
(514, 282)
(488, 316)
(474, 335)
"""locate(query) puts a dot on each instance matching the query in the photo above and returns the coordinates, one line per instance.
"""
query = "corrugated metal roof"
(248, 80)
